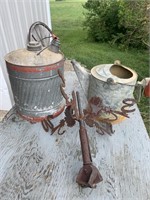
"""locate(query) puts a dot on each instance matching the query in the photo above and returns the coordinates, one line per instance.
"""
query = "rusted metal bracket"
(88, 175)
(91, 115)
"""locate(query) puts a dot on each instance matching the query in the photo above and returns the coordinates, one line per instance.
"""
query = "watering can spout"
(83, 75)
(80, 71)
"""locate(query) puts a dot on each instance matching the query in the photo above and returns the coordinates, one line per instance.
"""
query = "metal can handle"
(35, 42)
(37, 24)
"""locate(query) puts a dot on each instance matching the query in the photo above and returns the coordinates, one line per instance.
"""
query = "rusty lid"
(24, 57)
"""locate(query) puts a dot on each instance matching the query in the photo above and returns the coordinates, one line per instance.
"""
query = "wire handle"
(36, 44)
(30, 36)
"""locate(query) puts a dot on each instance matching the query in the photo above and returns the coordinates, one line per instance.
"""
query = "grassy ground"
(67, 18)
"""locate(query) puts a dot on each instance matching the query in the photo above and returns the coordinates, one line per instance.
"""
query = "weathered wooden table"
(35, 165)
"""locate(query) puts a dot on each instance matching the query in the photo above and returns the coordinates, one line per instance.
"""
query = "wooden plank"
(36, 165)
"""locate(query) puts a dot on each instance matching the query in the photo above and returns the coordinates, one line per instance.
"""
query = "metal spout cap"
(55, 45)
(34, 46)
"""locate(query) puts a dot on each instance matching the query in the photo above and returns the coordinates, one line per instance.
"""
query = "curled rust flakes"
(95, 110)
(70, 121)
(128, 103)
(125, 109)
(104, 127)
(47, 124)
(61, 124)
(62, 85)
(95, 105)
(71, 112)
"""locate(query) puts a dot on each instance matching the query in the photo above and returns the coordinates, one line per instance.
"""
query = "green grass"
(67, 19)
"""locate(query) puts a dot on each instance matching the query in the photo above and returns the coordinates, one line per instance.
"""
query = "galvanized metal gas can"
(35, 81)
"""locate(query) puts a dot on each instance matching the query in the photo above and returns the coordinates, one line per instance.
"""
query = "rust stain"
(33, 69)
(41, 119)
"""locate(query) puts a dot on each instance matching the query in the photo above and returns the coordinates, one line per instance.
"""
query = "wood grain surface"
(35, 165)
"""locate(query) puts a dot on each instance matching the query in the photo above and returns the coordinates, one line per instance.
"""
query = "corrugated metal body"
(37, 98)
(15, 19)
(36, 83)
